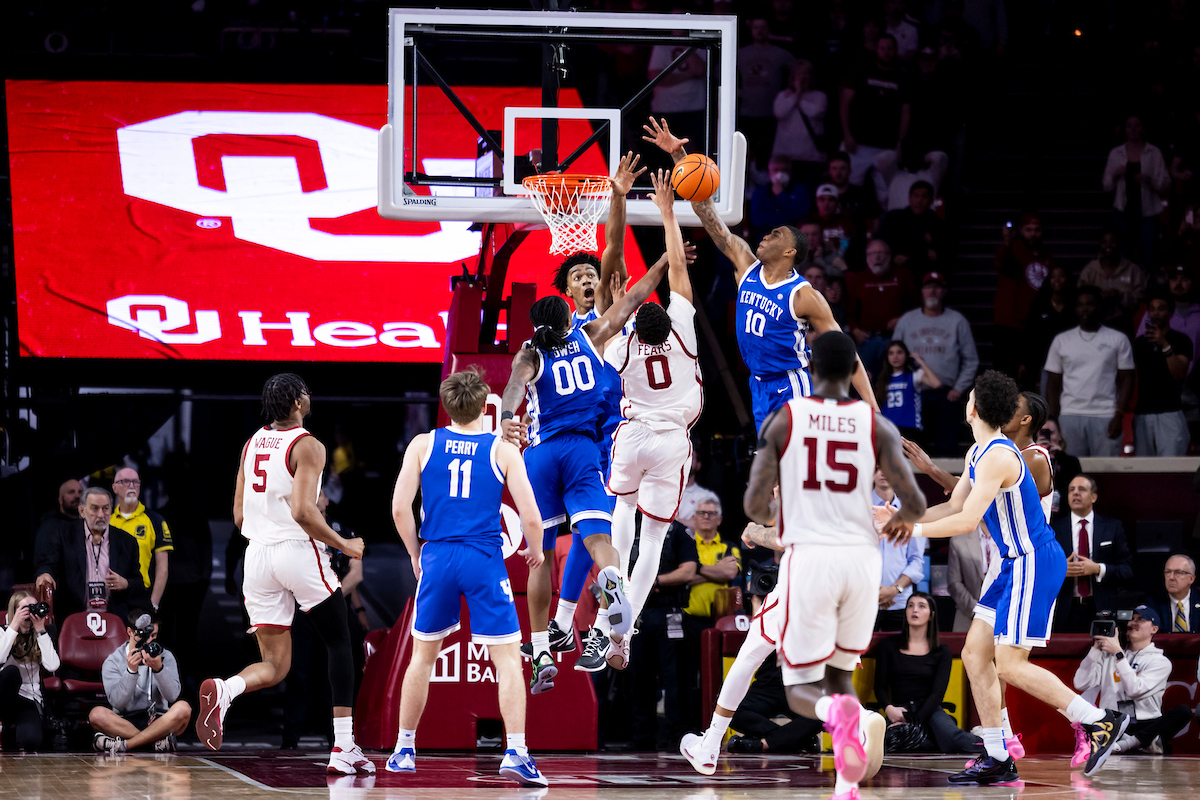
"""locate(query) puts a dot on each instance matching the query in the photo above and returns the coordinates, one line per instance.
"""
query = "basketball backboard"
(549, 90)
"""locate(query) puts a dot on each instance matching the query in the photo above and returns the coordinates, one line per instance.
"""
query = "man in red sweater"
(1021, 268)
(875, 299)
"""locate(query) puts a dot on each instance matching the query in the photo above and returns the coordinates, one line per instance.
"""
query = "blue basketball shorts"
(453, 570)
(771, 392)
(1023, 595)
(565, 473)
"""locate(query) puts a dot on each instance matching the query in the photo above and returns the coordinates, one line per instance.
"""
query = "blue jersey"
(578, 321)
(903, 406)
(567, 393)
(1015, 518)
(769, 334)
(613, 388)
(461, 489)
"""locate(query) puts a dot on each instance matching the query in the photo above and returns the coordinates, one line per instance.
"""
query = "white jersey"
(267, 493)
(826, 473)
(1048, 497)
(662, 383)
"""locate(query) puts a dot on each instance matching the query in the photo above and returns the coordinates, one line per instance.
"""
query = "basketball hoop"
(571, 206)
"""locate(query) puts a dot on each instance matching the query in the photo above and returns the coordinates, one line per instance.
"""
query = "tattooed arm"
(524, 369)
(757, 535)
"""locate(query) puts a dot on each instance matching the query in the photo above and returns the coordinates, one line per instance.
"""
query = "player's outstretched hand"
(627, 173)
(919, 458)
(689, 252)
(660, 134)
(510, 431)
(664, 195)
(897, 531)
(880, 515)
(533, 559)
(354, 547)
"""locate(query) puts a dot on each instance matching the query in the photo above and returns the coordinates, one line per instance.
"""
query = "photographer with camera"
(26, 647)
(1132, 680)
(141, 680)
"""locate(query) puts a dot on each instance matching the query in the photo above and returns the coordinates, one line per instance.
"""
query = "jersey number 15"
(811, 446)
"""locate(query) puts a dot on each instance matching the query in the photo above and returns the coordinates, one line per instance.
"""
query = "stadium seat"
(85, 640)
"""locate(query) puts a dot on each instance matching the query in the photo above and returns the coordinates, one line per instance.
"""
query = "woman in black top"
(912, 671)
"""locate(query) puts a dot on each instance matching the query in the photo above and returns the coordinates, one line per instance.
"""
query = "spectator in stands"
(148, 529)
(26, 648)
(784, 24)
(762, 70)
(780, 202)
(970, 559)
(916, 234)
(1180, 606)
(898, 388)
(800, 111)
(693, 493)
(682, 95)
(837, 230)
(1051, 313)
(875, 113)
(657, 650)
(1134, 679)
(912, 674)
(1098, 561)
(1121, 282)
(816, 276)
(91, 566)
(1186, 318)
(900, 26)
(876, 298)
(1021, 269)
(835, 295)
(943, 339)
(1137, 175)
(720, 562)
(64, 514)
(857, 202)
(1091, 380)
(1161, 356)
(1066, 466)
(820, 252)
(901, 171)
(143, 692)
(903, 565)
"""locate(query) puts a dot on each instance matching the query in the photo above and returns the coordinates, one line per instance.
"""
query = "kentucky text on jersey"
(769, 334)
(756, 300)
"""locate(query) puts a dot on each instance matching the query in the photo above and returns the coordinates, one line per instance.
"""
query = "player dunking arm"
(822, 451)
(275, 507)
(663, 398)
(561, 371)
(461, 471)
(998, 489)
(776, 306)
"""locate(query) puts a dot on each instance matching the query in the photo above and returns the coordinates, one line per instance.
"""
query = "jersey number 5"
(811, 445)
(260, 485)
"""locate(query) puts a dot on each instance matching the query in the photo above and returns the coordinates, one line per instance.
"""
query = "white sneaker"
(214, 703)
(700, 753)
(403, 760)
(874, 730)
(618, 652)
(349, 762)
(1126, 744)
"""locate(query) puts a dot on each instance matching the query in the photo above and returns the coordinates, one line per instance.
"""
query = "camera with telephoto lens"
(761, 578)
(1105, 623)
(40, 610)
(142, 640)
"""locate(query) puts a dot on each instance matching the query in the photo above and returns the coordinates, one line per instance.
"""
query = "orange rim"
(546, 180)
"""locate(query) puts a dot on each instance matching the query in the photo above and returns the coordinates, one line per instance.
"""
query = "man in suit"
(90, 566)
(970, 555)
(1180, 610)
(1098, 564)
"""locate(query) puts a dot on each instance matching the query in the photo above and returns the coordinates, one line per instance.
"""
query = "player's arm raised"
(990, 474)
(524, 367)
(612, 261)
(516, 478)
(408, 482)
(889, 454)
(677, 262)
(812, 304)
(764, 471)
(734, 247)
(610, 323)
(308, 461)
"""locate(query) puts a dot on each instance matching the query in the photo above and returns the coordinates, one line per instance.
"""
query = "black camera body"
(143, 642)
(1105, 623)
(40, 609)
(761, 578)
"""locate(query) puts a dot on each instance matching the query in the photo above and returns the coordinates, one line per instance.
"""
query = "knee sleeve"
(575, 572)
(329, 619)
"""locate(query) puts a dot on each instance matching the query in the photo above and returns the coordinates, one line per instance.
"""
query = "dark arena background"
(200, 195)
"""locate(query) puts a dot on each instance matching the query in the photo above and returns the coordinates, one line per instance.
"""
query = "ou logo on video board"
(264, 196)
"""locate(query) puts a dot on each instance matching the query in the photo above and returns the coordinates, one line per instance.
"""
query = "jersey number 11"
(457, 466)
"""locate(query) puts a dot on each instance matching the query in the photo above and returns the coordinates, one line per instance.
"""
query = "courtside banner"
(238, 221)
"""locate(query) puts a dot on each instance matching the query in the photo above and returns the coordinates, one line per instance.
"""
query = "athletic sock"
(1008, 731)
(541, 643)
(407, 739)
(343, 733)
(842, 785)
(993, 741)
(564, 615)
(235, 685)
(823, 705)
(602, 622)
(1083, 712)
(516, 741)
(716, 729)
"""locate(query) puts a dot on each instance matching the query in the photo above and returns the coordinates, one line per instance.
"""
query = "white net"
(572, 206)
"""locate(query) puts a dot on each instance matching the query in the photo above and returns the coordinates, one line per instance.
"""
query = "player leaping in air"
(776, 306)
(561, 371)
(998, 489)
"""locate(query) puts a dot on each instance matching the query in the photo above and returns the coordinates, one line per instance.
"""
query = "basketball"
(695, 178)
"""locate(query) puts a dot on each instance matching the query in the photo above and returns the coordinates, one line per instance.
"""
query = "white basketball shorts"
(651, 466)
(278, 576)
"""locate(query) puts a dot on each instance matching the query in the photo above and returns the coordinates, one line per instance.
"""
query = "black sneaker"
(744, 744)
(1102, 736)
(985, 771)
(560, 641)
(595, 652)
